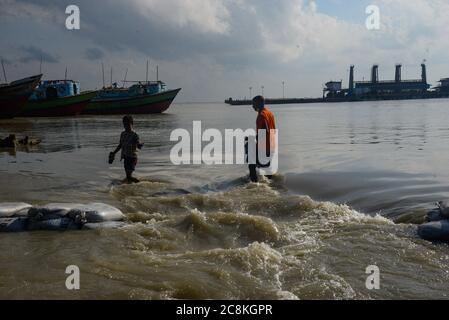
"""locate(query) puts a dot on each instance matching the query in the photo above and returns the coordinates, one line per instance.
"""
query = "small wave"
(282, 245)
(257, 264)
(231, 226)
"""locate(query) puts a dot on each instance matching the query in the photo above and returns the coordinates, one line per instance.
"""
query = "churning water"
(354, 181)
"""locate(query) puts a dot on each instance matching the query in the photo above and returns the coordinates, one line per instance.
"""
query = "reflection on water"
(336, 143)
(66, 134)
(372, 170)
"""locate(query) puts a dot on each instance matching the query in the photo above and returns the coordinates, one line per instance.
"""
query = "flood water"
(354, 182)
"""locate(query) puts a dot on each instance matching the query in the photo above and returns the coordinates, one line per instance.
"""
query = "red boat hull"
(14, 96)
(12, 106)
(146, 104)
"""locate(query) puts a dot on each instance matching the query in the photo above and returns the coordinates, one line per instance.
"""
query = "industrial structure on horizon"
(443, 87)
(377, 87)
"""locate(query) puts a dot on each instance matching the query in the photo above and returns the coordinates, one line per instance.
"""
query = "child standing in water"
(129, 143)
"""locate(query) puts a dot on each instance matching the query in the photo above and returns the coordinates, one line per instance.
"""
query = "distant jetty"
(274, 101)
(372, 90)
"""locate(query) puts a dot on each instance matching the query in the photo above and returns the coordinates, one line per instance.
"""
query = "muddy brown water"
(354, 181)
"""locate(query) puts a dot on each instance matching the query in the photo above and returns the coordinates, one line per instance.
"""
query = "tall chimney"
(398, 74)
(351, 80)
(375, 74)
(424, 73)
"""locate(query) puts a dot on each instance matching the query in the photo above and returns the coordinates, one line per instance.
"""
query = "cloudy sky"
(215, 49)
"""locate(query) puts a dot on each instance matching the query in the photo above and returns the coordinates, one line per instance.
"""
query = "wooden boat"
(141, 98)
(14, 95)
(57, 98)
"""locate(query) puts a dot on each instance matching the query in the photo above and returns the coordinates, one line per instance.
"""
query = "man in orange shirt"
(265, 121)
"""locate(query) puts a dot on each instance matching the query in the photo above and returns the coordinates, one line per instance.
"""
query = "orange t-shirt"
(265, 120)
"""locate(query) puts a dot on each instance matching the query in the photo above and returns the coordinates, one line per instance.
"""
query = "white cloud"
(204, 15)
(409, 21)
(229, 45)
(17, 9)
(294, 28)
(412, 30)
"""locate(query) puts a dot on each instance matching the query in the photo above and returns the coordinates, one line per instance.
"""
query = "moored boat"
(141, 98)
(57, 98)
(14, 95)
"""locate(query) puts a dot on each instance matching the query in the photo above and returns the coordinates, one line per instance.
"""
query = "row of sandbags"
(437, 226)
(17, 217)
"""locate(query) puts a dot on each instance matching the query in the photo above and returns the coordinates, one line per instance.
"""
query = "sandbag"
(444, 208)
(435, 231)
(13, 224)
(61, 206)
(60, 224)
(59, 217)
(104, 225)
(94, 212)
(434, 215)
(10, 209)
(42, 214)
(55, 219)
(440, 213)
(100, 212)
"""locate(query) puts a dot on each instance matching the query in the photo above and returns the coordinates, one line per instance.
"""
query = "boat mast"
(111, 77)
(157, 73)
(146, 77)
(65, 77)
(102, 68)
(124, 80)
(4, 72)
(40, 67)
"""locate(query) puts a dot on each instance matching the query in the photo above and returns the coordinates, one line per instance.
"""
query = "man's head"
(258, 103)
(128, 122)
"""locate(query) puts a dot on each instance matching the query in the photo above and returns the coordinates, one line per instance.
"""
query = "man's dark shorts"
(130, 164)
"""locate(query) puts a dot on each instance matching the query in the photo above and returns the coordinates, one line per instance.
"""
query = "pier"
(373, 90)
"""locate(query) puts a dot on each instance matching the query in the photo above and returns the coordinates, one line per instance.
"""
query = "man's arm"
(112, 154)
(262, 127)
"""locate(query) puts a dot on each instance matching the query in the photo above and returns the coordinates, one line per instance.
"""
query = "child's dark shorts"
(130, 163)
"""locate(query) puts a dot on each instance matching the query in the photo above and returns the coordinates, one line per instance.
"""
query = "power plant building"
(444, 86)
(379, 87)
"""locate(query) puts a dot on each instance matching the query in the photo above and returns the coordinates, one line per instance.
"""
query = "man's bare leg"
(253, 173)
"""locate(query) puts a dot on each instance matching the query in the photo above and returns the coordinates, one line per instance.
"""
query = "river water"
(354, 182)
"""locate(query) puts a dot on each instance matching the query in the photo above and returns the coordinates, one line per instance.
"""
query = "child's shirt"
(129, 141)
